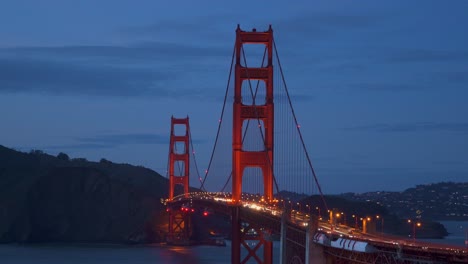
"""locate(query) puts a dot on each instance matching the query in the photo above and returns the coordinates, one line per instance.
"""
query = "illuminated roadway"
(332, 233)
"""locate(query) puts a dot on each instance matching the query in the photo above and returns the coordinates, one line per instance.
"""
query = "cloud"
(78, 146)
(313, 25)
(123, 139)
(414, 127)
(106, 141)
(380, 87)
(132, 138)
(454, 77)
(426, 55)
(50, 77)
(142, 51)
(143, 69)
(210, 30)
(336, 20)
(190, 25)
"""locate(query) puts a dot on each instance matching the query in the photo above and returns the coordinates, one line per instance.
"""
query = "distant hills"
(48, 198)
(351, 212)
(438, 201)
(55, 198)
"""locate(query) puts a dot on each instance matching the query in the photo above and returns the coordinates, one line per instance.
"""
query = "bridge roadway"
(341, 241)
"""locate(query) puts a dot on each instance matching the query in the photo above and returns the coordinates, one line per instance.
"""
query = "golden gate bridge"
(258, 154)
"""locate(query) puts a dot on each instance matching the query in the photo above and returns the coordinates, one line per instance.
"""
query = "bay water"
(155, 253)
(115, 254)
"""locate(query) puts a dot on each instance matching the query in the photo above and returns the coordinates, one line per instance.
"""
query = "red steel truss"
(242, 159)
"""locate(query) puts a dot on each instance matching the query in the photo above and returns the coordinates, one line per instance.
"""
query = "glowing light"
(256, 207)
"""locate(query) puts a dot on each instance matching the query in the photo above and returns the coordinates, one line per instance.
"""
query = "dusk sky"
(379, 87)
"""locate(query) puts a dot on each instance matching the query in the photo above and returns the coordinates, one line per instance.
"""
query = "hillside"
(382, 219)
(47, 198)
(438, 201)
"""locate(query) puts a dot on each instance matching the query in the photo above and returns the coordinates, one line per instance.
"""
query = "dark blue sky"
(383, 84)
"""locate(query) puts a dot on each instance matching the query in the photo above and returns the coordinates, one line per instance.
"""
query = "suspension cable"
(220, 120)
(226, 183)
(194, 159)
(298, 127)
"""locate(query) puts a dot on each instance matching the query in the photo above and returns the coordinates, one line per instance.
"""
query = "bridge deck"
(269, 216)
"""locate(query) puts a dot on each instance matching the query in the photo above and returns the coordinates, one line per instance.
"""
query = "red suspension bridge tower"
(242, 159)
(242, 112)
(179, 220)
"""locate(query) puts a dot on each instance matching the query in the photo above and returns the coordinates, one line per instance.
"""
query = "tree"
(36, 152)
(63, 156)
(104, 161)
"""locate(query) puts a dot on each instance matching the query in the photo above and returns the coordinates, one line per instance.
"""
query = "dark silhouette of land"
(45, 198)
(439, 201)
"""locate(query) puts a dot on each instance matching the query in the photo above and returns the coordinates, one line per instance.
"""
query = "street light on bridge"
(365, 221)
(344, 218)
(338, 215)
(319, 214)
(415, 224)
(381, 222)
(355, 221)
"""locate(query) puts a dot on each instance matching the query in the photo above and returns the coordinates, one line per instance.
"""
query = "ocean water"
(114, 254)
(458, 231)
(153, 254)
(104, 254)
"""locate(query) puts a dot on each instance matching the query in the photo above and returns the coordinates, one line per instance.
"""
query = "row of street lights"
(365, 220)
(299, 205)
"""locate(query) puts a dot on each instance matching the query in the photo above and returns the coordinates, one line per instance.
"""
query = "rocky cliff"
(47, 198)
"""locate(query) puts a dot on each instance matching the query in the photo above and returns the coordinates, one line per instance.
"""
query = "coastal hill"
(381, 219)
(45, 198)
(48, 198)
(437, 201)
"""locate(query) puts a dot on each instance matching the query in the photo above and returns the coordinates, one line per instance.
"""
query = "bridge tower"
(178, 156)
(179, 220)
(242, 159)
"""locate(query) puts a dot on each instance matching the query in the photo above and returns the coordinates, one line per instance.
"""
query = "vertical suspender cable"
(195, 161)
(220, 119)
(298, 129)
